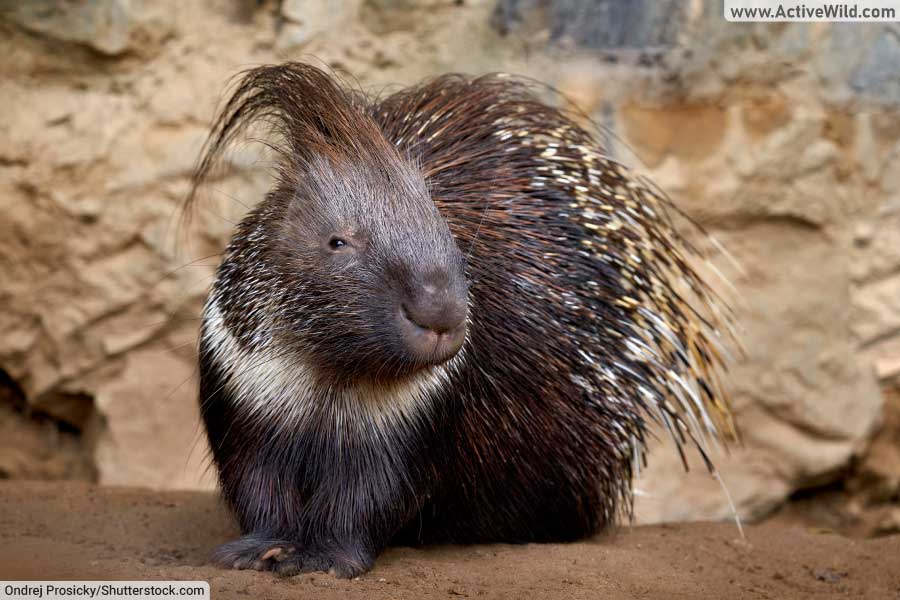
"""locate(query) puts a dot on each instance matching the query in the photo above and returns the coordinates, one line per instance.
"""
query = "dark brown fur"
(578, 331)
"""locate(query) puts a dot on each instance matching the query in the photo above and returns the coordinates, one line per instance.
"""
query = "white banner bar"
(104, 590)
(860, 11)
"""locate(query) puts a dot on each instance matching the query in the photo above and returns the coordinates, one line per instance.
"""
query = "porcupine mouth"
(425, 346)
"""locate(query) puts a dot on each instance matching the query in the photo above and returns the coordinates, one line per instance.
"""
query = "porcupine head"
(352, 261)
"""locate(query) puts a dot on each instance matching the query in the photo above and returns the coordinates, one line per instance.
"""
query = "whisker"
(179, 346)
(189, 264)
(230, 197)
(477, 231)
(182, 320)
(193, 374)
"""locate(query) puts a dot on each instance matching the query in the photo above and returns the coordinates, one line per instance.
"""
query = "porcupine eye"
(343, 246)
(336, 244)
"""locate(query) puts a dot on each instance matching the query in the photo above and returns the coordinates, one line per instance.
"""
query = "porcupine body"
(450, 320)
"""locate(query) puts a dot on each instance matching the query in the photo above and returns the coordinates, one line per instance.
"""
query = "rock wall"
(782, 140)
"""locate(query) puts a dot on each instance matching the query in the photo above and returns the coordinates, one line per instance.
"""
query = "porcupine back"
(577, 266)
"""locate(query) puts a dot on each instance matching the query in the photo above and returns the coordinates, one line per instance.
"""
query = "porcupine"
(452, 319)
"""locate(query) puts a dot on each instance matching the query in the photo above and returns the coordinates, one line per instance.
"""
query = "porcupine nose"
(433, 321)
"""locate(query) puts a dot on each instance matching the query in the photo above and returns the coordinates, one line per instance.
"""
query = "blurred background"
(782, 139)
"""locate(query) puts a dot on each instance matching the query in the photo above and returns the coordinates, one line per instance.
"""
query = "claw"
(271, 553)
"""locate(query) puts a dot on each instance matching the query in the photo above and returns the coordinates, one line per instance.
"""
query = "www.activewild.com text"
(837, 11)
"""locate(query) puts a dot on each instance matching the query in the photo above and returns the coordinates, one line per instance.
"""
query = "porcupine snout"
(432, 317)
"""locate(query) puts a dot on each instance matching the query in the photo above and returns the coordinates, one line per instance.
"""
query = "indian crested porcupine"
(451, 319)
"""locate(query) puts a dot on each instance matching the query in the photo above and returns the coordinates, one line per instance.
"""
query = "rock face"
(306, 19)
(782, 140)
(107, 26)
(597, 24)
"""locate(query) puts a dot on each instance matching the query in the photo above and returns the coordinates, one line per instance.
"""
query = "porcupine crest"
(578, 272)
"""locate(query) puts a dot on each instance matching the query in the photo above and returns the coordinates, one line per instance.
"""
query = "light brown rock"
(804, 404)
(153, 436)
(689, 132)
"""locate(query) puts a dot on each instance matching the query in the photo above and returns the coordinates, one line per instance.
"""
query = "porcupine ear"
(308, 114)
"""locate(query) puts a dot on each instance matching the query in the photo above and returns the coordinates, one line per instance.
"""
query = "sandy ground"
(78, 531)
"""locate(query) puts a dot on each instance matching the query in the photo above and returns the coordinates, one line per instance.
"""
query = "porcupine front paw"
(288, 558)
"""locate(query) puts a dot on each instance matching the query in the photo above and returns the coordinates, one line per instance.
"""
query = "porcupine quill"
(449, 321)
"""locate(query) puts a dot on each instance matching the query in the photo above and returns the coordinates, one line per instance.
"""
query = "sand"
(80, 531)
